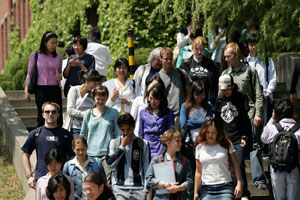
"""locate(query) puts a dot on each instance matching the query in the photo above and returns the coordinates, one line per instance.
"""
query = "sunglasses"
(53, 112)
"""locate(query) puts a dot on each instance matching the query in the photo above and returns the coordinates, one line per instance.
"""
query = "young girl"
(155, 119)
(54, 161)
(58, 188)
(196, 109)
(81, 166)
(212, 165)
(172, 141)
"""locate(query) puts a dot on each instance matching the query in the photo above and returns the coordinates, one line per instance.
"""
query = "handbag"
(187, 147)
(34, 77)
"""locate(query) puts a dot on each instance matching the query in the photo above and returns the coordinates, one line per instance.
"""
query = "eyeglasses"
(53, 112)
(91, 189)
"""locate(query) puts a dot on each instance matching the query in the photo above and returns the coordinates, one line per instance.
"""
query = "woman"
(99, 127)
(212, 165)
(121, 89)
(140, 102)
(80, 166)
(172, 142)
(79, 98)
(54, 162)
(58, 188)
(199, 67)
(79, 61)
(49, 75)
(155, 119)
(96, 188)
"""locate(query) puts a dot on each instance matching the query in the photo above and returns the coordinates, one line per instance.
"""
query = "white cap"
(225, 82)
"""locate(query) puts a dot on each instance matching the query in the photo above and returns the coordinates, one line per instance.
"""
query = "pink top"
(42, 184)
(48, 66)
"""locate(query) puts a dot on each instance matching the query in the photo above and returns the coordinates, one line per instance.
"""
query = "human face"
(93, 191)
(51, 45)
(174, 144)
(166, 61)
(54, 167)
(199, 51)
(100, 100)
(122, 71)
(60, 193)
(126, 130)
(80, 151)
(199, 97)
(252, 47)
(154, 102)
(78, 48)
(156, 63)
(227, 92)
(90, 85)
(50, 117)
(231, 59)
(211, 135)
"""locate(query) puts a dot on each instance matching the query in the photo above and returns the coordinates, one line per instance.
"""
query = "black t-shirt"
(48, 139)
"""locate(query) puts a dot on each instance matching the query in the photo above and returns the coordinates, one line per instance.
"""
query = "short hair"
(95, 34)
(168, 136)
(235, 49)
(89, 75)
(166, 50)
(82, 41)
(45, 38)
(121, 61)
(54, 154)
(126, 119)
(56, 182)
(198, 40)
(159, 93)
(79, 140)
(96, 178)
(283, 109)
(52, 103)
(69, 50)
(154, 54)
(100, 90)
(252, 38)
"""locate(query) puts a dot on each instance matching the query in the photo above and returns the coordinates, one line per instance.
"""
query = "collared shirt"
(260, 66)
(47, 66)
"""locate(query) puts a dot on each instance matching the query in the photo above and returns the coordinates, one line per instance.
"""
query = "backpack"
(284, 154)
(95, 167)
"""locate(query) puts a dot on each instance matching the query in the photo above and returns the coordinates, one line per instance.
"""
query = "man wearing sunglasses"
(43, 139)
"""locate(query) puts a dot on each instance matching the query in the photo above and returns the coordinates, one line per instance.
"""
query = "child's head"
(54, 161)
(58, 188)
(157, 98)
(126, 124)
(226, 84)
(94, 184)
(171, 139)
(79, 146)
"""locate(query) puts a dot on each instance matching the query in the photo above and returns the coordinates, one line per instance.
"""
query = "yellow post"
(131, 52)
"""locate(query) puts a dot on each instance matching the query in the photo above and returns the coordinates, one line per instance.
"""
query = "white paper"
(164, 172)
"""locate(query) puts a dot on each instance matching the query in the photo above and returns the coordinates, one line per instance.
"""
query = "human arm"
(271, 77)
(65, 169)
(113, 156)
(259, 101)
(70, 64)
(84, 125)
(238, 191)
(72, 98)
(29, 72)
(141, 124)
(117, 132)
(183, 117)
(198, 179)
(28, 172)
(135, 108)
(269, 131)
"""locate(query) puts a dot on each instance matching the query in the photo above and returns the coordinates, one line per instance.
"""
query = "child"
(212, 165)
(129, 156)
(81, 166)
(155, 119)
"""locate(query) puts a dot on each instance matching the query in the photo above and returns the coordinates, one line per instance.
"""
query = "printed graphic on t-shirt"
(199, 71)
(52, 138)
(229, 112)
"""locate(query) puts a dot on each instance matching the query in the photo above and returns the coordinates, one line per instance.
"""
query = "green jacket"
(242, 80)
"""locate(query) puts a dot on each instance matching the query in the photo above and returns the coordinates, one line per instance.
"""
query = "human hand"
(31, 182)
(238, 191)
(72, 62)
(115, 94)
(58, 77)
(123, 100)
(257, 121)
(243, 143)
(293, 97)
(196, 197)
(27, 97)
(126, 140)
(173, 187)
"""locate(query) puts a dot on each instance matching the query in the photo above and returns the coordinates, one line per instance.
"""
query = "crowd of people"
(124, 138)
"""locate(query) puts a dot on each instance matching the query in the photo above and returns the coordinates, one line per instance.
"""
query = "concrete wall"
(14, 135)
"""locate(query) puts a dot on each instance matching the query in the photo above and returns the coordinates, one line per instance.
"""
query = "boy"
(130, 157)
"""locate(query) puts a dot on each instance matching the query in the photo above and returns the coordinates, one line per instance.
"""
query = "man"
(248, 82)
(99, 51)
(129, 155)
(285, 182)
(43, 139)
(176, 81)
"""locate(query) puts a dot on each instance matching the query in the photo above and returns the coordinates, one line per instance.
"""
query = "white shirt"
(138, 104)
(102, 56)
(215, 164)
(197, 114)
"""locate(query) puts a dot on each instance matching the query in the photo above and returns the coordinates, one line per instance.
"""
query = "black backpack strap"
(295, 128)
(182, 80)
(278, 126)
(37, 134)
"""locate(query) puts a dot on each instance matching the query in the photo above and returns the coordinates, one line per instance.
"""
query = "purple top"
(151, 127)
(48, 66)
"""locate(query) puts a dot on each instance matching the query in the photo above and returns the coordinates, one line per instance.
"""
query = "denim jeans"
(286, 186)
(257, 171)
(240, 156)
(75, 132)
(222, 191)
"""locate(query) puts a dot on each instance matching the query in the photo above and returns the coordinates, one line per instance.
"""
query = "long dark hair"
(197, 88)
(45, 38)
(98, 179)
(55, 182)
(159, 93)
